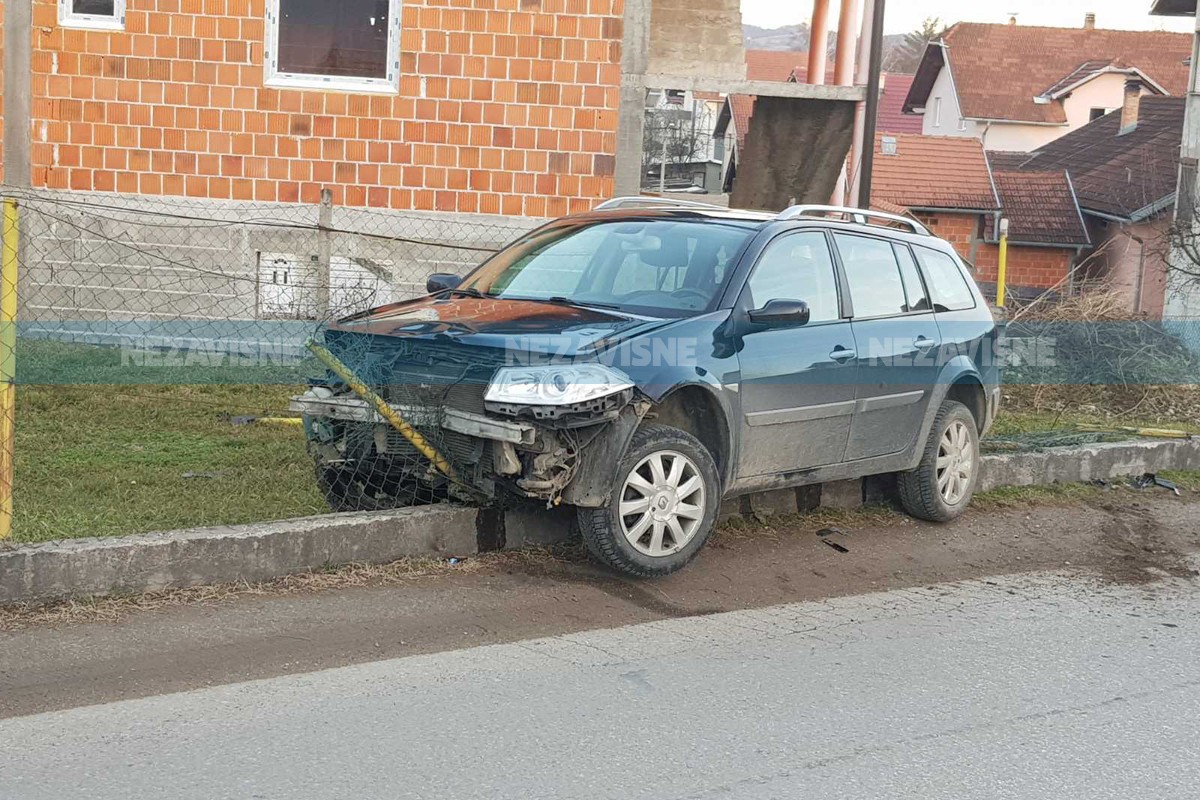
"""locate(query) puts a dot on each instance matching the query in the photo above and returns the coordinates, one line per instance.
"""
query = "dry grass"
(1108, 399)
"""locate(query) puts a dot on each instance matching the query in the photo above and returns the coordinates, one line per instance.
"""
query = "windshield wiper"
(468, 293)
(566, 301)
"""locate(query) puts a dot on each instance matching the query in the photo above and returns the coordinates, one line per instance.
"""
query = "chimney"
(1089, 21)
(1132, 107)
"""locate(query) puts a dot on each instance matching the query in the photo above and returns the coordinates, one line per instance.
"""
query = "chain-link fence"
(160, 343)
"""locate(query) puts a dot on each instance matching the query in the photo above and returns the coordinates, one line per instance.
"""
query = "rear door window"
(876, 288)
(947, 284)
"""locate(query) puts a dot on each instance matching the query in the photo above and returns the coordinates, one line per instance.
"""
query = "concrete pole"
(323, 291)
(631, 116)
(18, 85)
(818, 42)
(860, 112)
(847, 31)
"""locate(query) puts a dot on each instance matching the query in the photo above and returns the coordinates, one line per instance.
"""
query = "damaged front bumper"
(560, 457)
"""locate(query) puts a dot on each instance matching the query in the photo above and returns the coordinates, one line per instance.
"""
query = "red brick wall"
(518, 113)
(1034, 267)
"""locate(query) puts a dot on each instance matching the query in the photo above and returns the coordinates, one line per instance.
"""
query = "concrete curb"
(260, 552)
(1088, 463)
(252, 553)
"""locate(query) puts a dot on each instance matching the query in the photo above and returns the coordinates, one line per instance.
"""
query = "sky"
(906, 15)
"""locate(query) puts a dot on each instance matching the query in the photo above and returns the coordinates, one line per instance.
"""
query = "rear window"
(947, 284)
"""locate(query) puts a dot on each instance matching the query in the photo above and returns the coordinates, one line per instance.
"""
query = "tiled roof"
(892, 118)
(934, 172)
(1041, 208)
(1007, 160)
(1126, 176)
(742, 107)
(999, 69)
(774, 65)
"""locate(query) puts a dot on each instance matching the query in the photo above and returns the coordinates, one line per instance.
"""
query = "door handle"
(922, 343)
(841, 354)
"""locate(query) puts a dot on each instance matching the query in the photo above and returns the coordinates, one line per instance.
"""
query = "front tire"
(665, 499)
(941, 488)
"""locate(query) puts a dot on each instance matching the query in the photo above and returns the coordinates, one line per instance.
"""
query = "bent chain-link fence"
(160, 341)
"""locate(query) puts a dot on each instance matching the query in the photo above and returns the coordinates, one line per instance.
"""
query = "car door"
(797, 382)
(898, 345)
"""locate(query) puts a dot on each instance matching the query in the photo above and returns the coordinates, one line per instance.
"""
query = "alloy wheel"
(955, 463)
(662, 504)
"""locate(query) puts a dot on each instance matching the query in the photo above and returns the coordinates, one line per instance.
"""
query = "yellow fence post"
(1002, 274)
(8, 361)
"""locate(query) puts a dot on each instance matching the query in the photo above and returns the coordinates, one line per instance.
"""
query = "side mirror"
(782, 313)
(442, 281)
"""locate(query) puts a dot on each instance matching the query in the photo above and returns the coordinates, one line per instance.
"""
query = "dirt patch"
(1140, 549)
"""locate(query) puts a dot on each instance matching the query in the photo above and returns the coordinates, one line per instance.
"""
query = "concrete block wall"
(98, 258)
(697, 37)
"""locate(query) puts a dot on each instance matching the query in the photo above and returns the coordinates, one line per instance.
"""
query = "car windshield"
(667, 267)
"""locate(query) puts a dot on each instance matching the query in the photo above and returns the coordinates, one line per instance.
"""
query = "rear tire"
(665, 498)
(941, 488)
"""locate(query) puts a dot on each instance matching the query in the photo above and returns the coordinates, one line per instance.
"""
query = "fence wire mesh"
(161, 341)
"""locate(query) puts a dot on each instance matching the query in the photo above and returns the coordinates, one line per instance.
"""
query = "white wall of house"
(1018, 137)
(1106, 91)
(943, 115)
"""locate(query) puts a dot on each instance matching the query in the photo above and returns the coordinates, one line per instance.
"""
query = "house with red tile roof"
(1018, 88)
(1124, 167)
(949, 184)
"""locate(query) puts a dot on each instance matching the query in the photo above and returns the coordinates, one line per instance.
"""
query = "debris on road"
(1150, 479)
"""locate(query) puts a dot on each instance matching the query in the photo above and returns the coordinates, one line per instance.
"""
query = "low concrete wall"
(1092, 462)
(262, 552)
(179, 559)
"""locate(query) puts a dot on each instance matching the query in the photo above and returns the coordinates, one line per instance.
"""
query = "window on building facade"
(102, 14)
(937, 112)
(1097, 113)
(352, 45)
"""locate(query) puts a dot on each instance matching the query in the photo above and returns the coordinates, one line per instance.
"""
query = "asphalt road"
(1044, 686)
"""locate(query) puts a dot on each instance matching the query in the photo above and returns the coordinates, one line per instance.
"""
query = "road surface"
(1054, 686)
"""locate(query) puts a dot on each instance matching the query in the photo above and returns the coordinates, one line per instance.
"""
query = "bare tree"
(675, 136)
(906, 57)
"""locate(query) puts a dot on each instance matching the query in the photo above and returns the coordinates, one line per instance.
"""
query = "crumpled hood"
(496, 324)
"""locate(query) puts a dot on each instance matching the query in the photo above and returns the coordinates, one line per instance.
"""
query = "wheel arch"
(695, 409)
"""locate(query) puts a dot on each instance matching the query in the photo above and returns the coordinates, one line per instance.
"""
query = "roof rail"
(860, 216)
(653, 202)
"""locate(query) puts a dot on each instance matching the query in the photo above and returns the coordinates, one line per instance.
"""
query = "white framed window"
(346, 45)
(99, 14)
(937, 112)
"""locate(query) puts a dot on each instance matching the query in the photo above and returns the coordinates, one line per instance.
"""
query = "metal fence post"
(8, 361)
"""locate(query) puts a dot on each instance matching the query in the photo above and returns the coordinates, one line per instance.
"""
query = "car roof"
(850, 219)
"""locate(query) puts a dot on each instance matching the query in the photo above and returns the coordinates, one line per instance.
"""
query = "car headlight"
(556, 386)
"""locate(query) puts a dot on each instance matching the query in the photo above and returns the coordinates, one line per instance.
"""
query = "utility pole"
(871, 121)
